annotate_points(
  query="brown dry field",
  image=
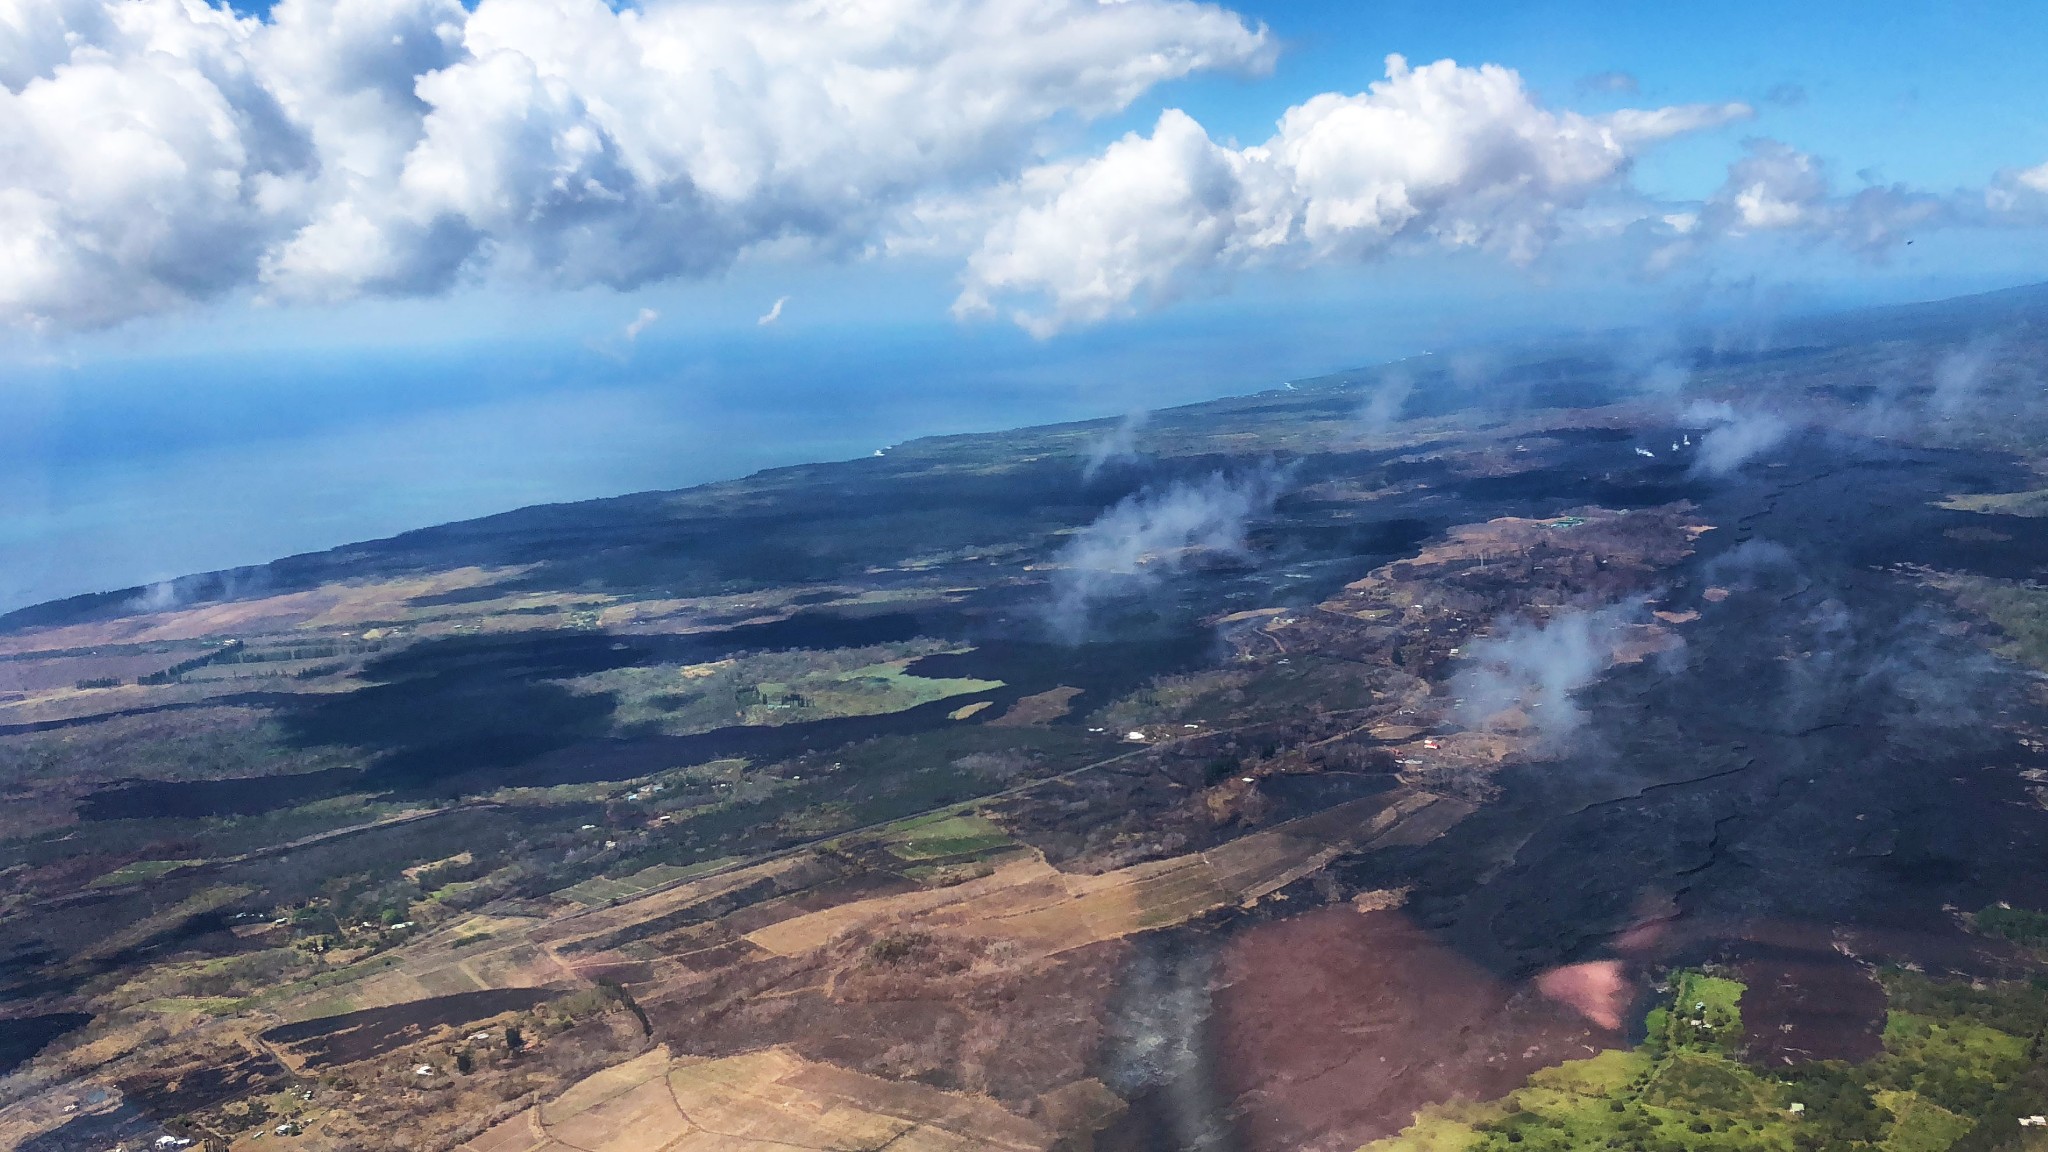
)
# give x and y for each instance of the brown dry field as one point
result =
(1334, 1027)
(774, 1099)
(30, 675)
(518, 952)
(1045, 911)
(330, 606)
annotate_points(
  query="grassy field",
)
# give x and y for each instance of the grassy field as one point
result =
(1045, 911)
(604, 889)
(1947, 1080)
(2033, 503)
(869, 690)
(775, 688)
(2019, 609)
(931, 837)
(140, 871)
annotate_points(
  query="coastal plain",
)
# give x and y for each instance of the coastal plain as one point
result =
(1513, 771)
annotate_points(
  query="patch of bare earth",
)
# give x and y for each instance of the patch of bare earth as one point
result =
(1332, 1028)
(953, 1012)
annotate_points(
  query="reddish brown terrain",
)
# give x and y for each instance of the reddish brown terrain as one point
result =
(1334, 1026)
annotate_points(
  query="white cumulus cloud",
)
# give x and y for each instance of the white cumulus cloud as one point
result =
(1775, 187)
(1459, 156)
(155, 152)
(2019, 197)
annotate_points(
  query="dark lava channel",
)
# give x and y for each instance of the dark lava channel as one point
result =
(1829, 760)
(1827, 751)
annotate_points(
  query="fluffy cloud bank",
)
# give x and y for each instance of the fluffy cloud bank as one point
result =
(158, 152)
(1458, 156)
(154, 152)
(1774, 188)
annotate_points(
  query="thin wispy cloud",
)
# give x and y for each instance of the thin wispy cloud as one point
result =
(1617, 82)
(641, 323)
(1382, 407)
(774, 312)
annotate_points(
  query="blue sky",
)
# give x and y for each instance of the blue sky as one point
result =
(190, 383)
(1931, 94)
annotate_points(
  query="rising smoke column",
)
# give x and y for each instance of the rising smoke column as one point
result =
(1734, 436)
(1115, 446)
(1149, 536)
(1533, 667)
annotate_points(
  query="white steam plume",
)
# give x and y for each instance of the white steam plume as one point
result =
(1152, 535)
(1734, 436)
(1382, 409)
(1525, 675)
(1117, 445)
(1958, 379)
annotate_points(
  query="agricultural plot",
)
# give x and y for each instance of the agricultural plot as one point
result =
(932, 838)
(608, 890)
(490, 955)
(764, 1101)
(1946, 1079)
(775, 688)
(502, 952)
(371, 1032)
(1048, 911)
(140, 871)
